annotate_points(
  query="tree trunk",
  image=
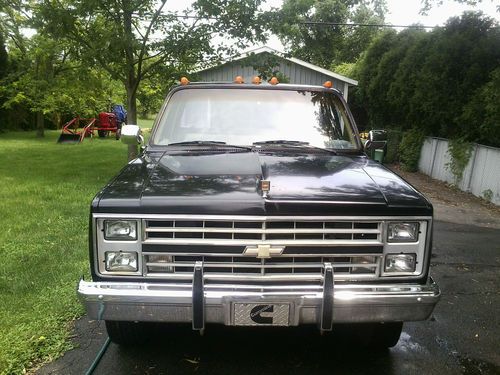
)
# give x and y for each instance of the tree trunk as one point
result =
(132, 79)
(39, 121)
(131, 115)
(40, 124)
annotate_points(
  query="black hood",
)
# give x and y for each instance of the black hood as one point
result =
(228, 183)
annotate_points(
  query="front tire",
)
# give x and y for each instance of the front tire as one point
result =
(102, 133)
(125, 333)
(381, 335)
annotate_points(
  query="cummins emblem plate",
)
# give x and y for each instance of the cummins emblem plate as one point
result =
(261, 314)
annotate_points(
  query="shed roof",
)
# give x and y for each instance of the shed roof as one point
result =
(266, 49)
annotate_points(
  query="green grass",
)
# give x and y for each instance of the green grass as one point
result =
(146, 123)
(45, 191)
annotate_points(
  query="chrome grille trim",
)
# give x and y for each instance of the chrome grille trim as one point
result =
(252, 231)
(250, 268)
(247, 231)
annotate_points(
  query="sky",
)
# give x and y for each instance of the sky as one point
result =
(401, 12)
(406, 12)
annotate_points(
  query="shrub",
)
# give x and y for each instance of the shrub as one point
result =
(409, 149)
(393, 141)
(460, 152)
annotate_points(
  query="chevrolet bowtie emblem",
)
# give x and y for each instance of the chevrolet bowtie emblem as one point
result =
(263, 251)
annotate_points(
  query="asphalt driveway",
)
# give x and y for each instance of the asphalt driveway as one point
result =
(463, 336)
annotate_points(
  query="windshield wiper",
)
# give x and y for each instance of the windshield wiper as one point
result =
(282, 142)
(208, 143)
(294, 144)
(191, 143)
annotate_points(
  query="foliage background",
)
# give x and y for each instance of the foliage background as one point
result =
(443, 82)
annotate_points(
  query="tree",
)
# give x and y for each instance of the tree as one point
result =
(47, 81)
(322, 44)
(460, 59)
(480, 118)
(3, 57)
(428, 4)
(131, 39)
(368, 90)
(441, 82)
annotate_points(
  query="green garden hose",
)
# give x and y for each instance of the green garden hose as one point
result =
(94, 364)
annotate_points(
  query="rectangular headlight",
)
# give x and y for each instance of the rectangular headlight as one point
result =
(121, 261)
(122, 230)
(400, 263)
(402, 232)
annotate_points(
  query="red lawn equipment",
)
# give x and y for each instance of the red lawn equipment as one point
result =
(77, 129)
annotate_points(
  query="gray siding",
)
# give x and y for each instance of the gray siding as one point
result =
(296, 74)
(481, 174)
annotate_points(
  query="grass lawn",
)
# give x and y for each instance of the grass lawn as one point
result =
(45, 191)
(146, 123)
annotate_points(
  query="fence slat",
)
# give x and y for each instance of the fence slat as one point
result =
(481, 176)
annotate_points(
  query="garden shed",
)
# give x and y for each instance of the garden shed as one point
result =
(265, 61)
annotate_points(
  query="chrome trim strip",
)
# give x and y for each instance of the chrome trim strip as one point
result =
(208, 264)
(228, 242)
(258, 218)
(277, 201)
(236, 255)
(258, 231)
(244, 277)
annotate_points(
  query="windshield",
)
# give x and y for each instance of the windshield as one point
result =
(247, 116)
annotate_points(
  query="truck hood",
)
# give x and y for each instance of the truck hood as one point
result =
(229, 183)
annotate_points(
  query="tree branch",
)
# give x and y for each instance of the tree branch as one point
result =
(145, 40)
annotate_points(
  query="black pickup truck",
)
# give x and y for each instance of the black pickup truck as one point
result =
(256, 205)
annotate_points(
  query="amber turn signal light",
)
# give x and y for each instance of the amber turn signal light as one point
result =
(239, 79)
(256, 80)
(328, 84)
(274, 81)
(184, 81)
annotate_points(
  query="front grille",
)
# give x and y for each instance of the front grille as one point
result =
(172, 246)
(254, 231)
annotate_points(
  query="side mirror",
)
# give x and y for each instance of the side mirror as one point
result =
(131, 135)
(377, 136)
(376, 145)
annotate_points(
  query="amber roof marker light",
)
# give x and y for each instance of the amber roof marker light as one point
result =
(184, 81)
(256, 80)
(239, 79)
(274, 81)
(328, 84)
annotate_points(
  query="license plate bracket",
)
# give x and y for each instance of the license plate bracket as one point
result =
(261, 314)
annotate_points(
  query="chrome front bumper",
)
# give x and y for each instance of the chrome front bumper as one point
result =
(213, 303)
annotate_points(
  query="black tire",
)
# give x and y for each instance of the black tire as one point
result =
(380, 335)
(102, 133)
(125, 333)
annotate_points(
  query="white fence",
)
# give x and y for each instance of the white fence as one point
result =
(481, 175)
